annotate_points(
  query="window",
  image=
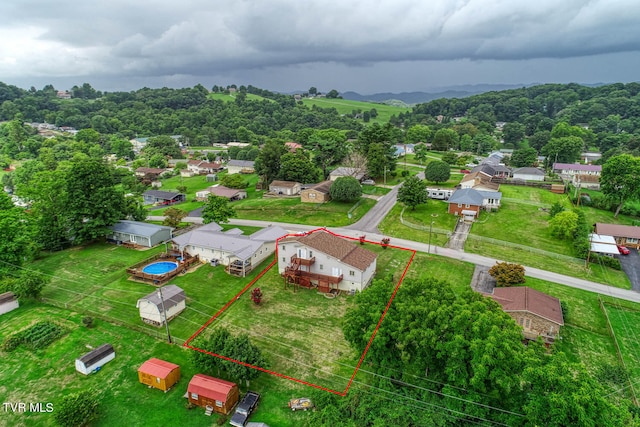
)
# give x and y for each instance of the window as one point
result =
(352, 273)
(321, 267)
(158, 380)
(459, 205)
(284, 259)
(312, 195)
(310, 254)
(467, 205)
(219, 403)
(632, 240)
(526, 325)
(194, 396)
(521, 321)
(284, 248)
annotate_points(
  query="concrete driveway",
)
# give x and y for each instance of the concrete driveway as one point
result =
(631, 266)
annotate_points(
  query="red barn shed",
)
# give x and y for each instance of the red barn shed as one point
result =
(214, 394)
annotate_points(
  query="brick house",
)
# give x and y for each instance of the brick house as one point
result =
(318, 193)
(625, 235)
(539, 314)
(467, 202)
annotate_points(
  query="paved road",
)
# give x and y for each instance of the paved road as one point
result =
(573, 282)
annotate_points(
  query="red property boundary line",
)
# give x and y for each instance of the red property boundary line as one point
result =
(262, 273)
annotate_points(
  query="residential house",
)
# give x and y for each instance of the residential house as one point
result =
(327, 261)
(95, 359)
(568, 170)
(159, 374)
(63, 94)
(588, 181)
(356, 173)
(317, 193)
(240, 166)
(589, 157)
(625, 235)
(285, 188)
(239, 253)
(138, 144)
(467, 202)
(528, 174)
(214, 394)
(493, 170)
(8, 302)
(151, 197)
(167, 301)
(139, 233)
(203, 167)
(292, 146)
(539, 314)
(149, 173)
(478, 180)
(232, 194)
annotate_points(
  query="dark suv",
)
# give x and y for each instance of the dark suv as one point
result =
(244, 409)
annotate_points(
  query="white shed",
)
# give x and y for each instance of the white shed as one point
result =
(95, 359)
(150, 306)
(528, 174)
(8, 302)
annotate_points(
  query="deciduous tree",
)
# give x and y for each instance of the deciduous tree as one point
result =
(345, 189)
(217, 209)
(564, 224)
(173, 216)
(413, 192)
(507, 274)
(620, 180)
(437, 171)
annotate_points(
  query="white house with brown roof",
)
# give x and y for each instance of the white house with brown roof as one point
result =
(539, 314)
(203, 167)
(285, 188)
(327, 261)
(625, 235)
(479, 181)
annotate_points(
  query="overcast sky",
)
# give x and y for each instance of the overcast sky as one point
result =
(287, 45)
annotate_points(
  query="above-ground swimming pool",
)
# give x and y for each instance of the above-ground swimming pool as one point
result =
(160, 267)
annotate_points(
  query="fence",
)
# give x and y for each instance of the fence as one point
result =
(503, 243)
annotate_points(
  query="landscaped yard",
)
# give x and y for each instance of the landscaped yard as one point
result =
(418, 222)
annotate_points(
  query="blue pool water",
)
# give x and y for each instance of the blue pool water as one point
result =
(160, 267)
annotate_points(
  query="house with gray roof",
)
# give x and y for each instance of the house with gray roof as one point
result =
(528, 174)
(240, 166)
(239, 253)
(152, 310)
(151, 197)
(356, 173)
(139, 233)
(467, 202)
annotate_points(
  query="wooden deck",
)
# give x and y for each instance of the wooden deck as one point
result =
(160, 279)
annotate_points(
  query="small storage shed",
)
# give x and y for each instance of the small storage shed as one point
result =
(150, 306)
(318, 193)
(209, 392)
(95, 359)
(159, 374)
(8, 302)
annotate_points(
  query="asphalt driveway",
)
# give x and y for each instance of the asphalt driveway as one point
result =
(631, 266)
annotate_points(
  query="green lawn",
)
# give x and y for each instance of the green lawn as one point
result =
(523, 220)
(344, 106)
(418, 222)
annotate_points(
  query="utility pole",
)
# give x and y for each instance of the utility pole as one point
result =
(430, 229)
(164, 315)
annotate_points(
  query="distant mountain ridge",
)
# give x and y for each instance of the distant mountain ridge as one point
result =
(421, 97)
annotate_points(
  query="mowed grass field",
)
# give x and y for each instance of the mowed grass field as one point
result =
(300, 334)
(289, 210)
(523, 219)
(344, 106)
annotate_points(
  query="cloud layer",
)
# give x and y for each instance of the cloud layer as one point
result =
(165, 40)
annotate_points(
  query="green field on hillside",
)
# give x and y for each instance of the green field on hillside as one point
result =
(347, 107)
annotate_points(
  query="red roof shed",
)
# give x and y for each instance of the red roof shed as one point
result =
(215, 393)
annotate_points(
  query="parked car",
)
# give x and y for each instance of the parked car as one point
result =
(368, 182)
(303, 403)
(244, 409)
(623, 250)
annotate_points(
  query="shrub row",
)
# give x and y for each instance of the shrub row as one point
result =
(37, 337)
